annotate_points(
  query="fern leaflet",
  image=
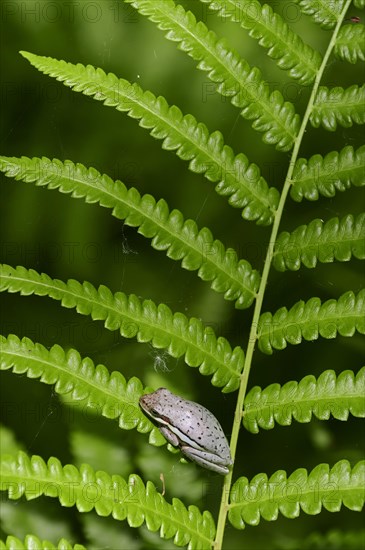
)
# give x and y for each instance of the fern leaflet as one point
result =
(108, 495)
(80, 379)
(143, 319)
(337, 171)
(272, 32)
(329, 395)
(206, 153)
(323, 12)
(323, 242)
(350, 44)
(323, 486)
(312, 319)
(235, 78)
(335, 106)
(182, 239)
(31, 542)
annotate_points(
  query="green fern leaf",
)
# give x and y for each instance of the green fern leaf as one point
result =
(334, 106)
(107, 495)
(136, 318)
(80, 379)
(350, 43)
(323, 242)
(337, 171)
(312, 319)
(235, 78)
(323, 12)
(333, 395)
(206, 153)
(271, 31)
(31, 542)
(322, 487)
(182, 239)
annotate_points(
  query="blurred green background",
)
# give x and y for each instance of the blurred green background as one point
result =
(66, 238)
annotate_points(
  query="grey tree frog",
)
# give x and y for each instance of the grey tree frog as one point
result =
(191, 427)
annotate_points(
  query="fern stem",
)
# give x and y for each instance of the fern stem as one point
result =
(261, 292)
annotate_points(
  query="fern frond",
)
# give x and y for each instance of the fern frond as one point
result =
(80, 380)
(312, 319)
(326, 487)
(108, 495)
(181, 239)
(328, 395)
(333, 106)
(235, 78)
(350, 43)
(133, 317)
(285, 46)
(321, 242)
(31, 542)
(337, 171)
(323, 12)
(206, 153)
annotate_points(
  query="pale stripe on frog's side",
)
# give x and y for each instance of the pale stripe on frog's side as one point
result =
(191, 427)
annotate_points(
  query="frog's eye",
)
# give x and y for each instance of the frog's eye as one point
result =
(155, 412)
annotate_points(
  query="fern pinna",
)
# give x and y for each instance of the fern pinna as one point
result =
(316, 139)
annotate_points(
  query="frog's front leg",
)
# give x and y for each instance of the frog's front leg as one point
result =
(169, 435)
(207, 460)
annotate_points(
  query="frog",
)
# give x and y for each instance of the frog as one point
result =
(190, 427)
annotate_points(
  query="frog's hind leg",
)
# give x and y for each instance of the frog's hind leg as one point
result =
(207, 460)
